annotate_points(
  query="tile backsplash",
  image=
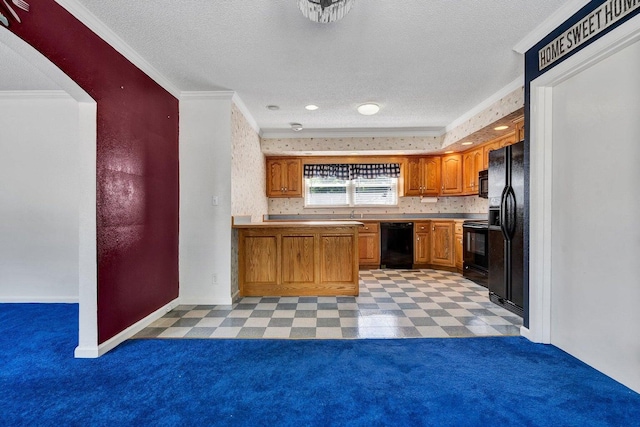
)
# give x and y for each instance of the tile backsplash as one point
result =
(406, 205)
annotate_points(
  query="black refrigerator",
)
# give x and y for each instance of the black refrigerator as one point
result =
(506, 220)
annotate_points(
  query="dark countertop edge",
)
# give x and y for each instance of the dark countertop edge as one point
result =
(376, 217)
(301, 224)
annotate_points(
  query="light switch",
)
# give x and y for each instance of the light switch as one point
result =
(214, 201)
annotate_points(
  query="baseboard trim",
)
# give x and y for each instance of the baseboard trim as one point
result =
(207, 301)
(39, 300)
(97, 351)
(524, 332)
(236, 296)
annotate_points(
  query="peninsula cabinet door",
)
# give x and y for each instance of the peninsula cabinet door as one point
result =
(298, 264)
(337, 259)
(260, 260)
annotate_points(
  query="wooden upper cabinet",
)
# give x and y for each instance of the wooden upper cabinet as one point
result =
(472, 162)
(413, 176)
(284, 178)
(519, 124)
(442, 243)
(503, 141)
(422, 176)
(452, 174)
(432, 171)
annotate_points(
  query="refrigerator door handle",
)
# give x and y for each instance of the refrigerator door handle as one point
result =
(503, 213)
(510, 211)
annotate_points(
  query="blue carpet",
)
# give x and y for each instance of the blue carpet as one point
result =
(410, 382)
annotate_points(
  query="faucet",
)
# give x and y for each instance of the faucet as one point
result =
(353, 214)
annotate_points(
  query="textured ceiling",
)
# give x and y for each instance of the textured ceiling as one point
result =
(426, 62)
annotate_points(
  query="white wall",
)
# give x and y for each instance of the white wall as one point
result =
(595, 236)
(205, 172)
(39, 198)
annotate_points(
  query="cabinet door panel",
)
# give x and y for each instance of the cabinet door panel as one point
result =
(458, 250)
(293, 181)
(467, 173)
(297, 259)
(452, 174)
(442, 252)
(275, 173)
(261, 263)
(422, 248)
(413, 176)
(432, 172)
(336, 255)
(369, 248)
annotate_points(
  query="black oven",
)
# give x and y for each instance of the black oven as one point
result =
(476, 251)
(483, 184)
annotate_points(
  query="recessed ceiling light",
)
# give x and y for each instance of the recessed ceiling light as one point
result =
(368, 109)
(296, 127)
(272, 107)
(501, 128)
(449, 152)
(467, 143)
(311, 107)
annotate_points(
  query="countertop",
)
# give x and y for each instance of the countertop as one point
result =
(407, 217)
(298, 224)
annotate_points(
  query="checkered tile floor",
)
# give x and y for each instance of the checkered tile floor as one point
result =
(392, 304)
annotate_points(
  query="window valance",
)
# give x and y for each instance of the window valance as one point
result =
(375, 170)
(337, 171)
(353, 171)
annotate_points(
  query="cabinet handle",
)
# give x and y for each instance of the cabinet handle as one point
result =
(282, 189)
(285, 189)
(433, 229)
(417, 239)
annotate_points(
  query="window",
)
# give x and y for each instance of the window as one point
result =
(351, 185)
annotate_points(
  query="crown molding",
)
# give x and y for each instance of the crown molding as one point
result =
(565, 12)
(105, 33)
(213, 94)
(246, 113)
(354, 133)
(514, 85)
(35, 94)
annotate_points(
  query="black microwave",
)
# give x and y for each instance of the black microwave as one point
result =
(483, 184)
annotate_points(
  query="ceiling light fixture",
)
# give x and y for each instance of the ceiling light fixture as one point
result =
(325, 11)
(296, 127)
(501, 128)
(368, 109)
(272, 107)
(311, 107)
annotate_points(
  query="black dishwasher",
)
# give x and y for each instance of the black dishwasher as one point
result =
(396, 245)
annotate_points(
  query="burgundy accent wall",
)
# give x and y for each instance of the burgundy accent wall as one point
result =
(137, 166)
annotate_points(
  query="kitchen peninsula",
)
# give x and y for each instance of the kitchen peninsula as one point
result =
(298, 258)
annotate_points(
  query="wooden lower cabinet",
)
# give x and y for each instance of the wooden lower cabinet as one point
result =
(298, 261)
(422, 243)
(442, 241)
(369, 245)
(458, 246)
